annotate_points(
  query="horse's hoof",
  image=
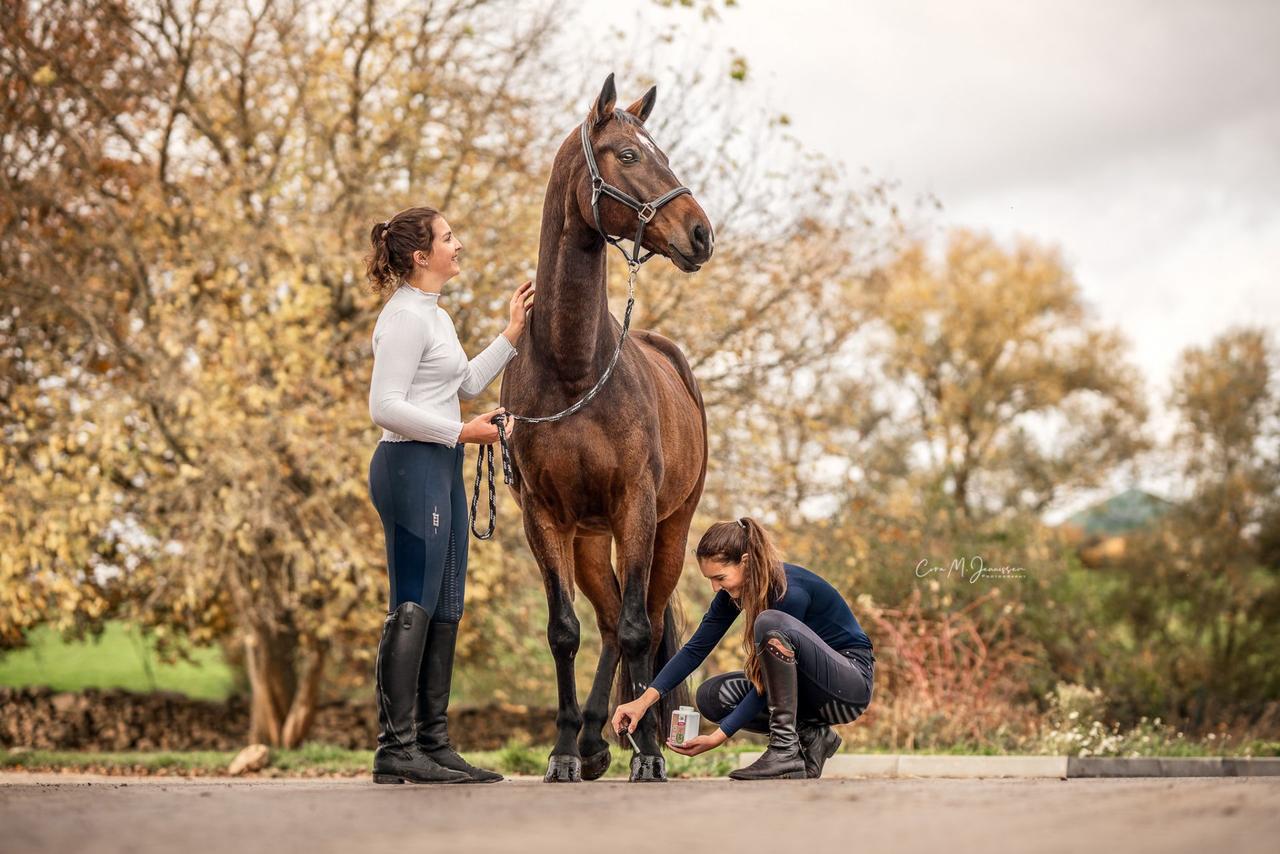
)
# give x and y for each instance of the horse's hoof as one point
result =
(594, 766)
(564, 769)
(648, 769)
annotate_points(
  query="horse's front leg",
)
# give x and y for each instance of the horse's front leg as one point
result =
(553, 549)
(593, 572)
(634, 524)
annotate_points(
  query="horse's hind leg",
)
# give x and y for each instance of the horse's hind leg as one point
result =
(594, 572)
(553, 549)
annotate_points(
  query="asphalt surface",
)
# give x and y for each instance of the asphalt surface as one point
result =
(113, 814)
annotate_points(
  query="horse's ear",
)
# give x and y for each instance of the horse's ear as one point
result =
(642, 108)
(602, 109)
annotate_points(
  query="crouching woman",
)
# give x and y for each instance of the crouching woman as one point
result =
(809, 665)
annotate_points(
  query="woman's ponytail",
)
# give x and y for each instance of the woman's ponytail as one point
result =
(763, 579)
(378, 263)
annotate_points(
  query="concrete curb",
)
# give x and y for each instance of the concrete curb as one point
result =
(850, 765)
(1168, 766)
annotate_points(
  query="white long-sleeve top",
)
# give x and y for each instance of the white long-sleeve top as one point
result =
(420, 370)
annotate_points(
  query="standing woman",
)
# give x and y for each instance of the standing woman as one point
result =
(809, 664)
(415, 481)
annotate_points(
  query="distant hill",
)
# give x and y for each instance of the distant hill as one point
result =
(1120, 514)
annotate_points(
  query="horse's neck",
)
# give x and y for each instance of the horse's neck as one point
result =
(570, 326)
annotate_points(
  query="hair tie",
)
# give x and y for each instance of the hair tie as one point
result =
(742, 523)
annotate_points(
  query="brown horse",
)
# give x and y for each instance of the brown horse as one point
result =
(628, 469)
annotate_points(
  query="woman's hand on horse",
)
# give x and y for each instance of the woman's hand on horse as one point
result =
(699, 744)
(521, 301)
(482, 431)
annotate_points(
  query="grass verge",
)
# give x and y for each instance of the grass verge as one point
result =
(320, 760)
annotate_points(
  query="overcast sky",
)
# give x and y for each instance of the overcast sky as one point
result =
(1141, 137)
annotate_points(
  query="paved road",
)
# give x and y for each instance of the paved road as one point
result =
(106, 814)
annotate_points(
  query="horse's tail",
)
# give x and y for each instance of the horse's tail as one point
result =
(670, 645)
(667, 648)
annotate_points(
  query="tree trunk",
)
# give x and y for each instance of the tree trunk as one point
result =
(268, 661)
(302, 711)
(284, 680)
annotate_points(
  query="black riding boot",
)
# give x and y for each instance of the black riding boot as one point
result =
(783, 759)
(434, 684)
(818, 743)
(398, 758)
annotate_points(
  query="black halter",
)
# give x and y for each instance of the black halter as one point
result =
(645, 211)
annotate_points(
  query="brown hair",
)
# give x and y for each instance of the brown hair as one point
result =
(394, 243)
(763, 580)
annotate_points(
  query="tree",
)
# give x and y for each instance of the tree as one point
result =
(1200, 594)
(1013, 394)
(189, 439)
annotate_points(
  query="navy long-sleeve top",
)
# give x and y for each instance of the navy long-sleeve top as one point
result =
(809, 598)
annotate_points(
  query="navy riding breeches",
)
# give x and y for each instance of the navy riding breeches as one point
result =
(418, 491)
(834, 686)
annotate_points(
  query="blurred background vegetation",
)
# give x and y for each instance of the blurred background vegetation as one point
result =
(188, 190)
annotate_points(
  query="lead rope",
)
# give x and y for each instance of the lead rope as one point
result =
(486, 455)
(486, 451)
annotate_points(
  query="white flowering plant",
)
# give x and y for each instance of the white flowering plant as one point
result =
(1075, 725)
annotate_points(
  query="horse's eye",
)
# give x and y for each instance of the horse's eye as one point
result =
(628, 156)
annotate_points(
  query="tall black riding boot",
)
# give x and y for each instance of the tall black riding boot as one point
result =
(783, 759)
(398, 758)
(818, 743)
(434, 683)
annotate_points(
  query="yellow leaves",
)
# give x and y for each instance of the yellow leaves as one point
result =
(256, 397)
(44, 76)
(992, 345)
(244, 540)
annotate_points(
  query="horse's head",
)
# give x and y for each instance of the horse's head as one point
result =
(629, 159)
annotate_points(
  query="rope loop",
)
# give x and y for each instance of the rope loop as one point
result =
(486, 456)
